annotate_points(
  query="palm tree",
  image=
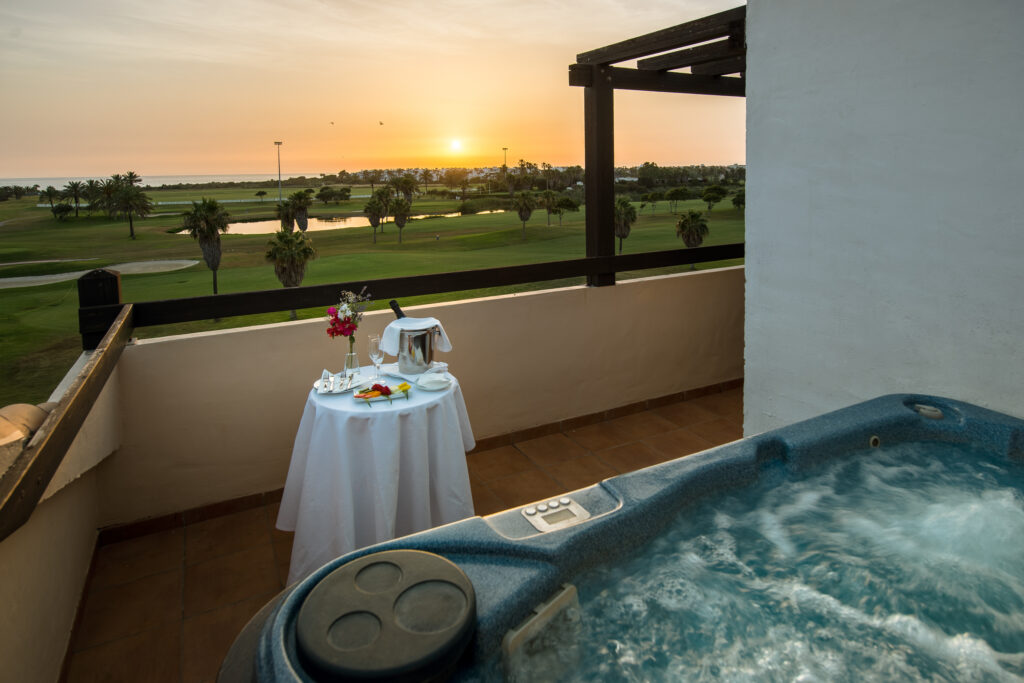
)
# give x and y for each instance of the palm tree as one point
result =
(300, 202)
(374, 211)
(131, 178)
(385, 197)
(692, 228)
(524, 203)
(400, 209)
(261, 194)
(74, 190)
(427, 176)
(131, 202)
(286, 215)
(205, 222)
(93, 194)
(51, 194)
(548, 200)
(108, 195)
(406, 186)
(290, 252)
(625, 216)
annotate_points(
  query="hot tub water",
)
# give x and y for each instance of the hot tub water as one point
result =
(903, 562)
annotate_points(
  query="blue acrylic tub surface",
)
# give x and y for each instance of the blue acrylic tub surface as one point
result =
(513, 567)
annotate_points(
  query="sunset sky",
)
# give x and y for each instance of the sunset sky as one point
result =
(94, 87)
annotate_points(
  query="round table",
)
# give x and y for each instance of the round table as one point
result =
(365, 473)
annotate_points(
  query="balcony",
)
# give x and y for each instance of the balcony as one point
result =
(182, 457)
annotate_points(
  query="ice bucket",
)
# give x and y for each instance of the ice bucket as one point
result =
(416, 350)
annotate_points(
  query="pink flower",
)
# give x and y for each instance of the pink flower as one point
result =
(332, 311)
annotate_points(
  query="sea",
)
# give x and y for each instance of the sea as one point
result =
(158, 180)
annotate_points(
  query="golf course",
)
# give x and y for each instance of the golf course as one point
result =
(39, 324)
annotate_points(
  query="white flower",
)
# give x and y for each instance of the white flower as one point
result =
(344, 311)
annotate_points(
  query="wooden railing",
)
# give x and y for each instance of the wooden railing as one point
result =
(94, 320)
(106, 325)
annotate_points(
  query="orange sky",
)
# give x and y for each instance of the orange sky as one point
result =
(94, 87)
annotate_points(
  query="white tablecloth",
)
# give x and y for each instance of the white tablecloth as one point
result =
(361, 474)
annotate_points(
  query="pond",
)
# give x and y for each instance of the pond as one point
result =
(316, 224)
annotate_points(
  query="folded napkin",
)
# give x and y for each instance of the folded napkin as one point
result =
(325, 383)
(389, 340)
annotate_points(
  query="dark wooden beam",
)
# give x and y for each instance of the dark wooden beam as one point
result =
(732, 65)
(692, 32)
(599, 162)
(681, 59)
(619, 78)
(24, 482)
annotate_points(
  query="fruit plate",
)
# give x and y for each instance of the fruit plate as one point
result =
(396, 392)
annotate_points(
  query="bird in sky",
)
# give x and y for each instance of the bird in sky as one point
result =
(332, 123)
(382, 123)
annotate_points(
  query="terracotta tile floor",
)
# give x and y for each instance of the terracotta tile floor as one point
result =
(166, 607)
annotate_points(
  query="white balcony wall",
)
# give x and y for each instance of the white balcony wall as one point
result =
(43, 568)
(884, 240)
(212, 416)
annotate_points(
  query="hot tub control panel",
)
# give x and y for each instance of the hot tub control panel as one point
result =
(556, 513)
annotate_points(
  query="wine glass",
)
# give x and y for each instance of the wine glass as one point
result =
(376, 355)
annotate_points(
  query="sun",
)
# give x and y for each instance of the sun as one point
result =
(456, 145)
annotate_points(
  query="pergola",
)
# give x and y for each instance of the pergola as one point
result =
(711, 48)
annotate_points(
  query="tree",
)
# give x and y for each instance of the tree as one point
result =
(675, 196)
(400, 209)
(51, 194)
(712, 195)
(286, 214)
(93, 193)
(548, 201)
(342, 194)
(406, 186)
(692, 228)
(290, 252)
(385, 198)
(131, 178)
(625, 216)
(61, 211)
(74, 190)
(326, 194)
(131, 202)
(427, 176)
(261, 194)
(739, 201)
(565, 203)
(374, 211)
(653, 198)
(205, 222)
(524, 203)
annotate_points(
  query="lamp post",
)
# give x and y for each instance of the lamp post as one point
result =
(278, 144)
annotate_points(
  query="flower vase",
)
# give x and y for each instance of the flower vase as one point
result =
(351, 359)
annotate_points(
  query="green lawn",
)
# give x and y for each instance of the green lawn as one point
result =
(38, 325)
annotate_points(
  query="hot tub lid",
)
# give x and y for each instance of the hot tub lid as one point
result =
(399, 615)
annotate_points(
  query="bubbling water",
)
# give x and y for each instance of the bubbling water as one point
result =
(900, 563)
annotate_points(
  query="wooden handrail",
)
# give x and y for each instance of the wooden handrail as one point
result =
(24, 482)
(148, 313)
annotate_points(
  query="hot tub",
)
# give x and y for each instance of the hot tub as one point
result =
(598, 539)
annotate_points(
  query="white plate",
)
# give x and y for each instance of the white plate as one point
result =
(339, 382)
(426, 382)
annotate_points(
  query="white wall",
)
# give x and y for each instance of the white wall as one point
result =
(43, 568)
(885, 240)
(212, 416)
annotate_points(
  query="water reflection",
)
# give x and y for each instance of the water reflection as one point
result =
(316, 224)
